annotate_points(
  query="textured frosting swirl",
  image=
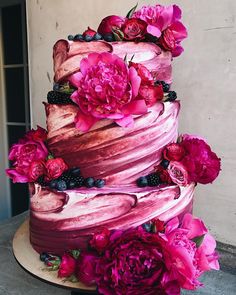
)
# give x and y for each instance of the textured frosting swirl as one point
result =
(119, 155)
(87, 211)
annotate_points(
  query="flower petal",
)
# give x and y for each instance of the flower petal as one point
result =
(155, 31)
(135, 81)
(84, 122)
(126, 122)
(75, 78)
(135, 107)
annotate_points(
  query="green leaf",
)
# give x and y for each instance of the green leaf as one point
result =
(131, 12)
(198, 240)
(75, 253)
(118, 34)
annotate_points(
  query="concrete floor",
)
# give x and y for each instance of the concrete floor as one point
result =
(15, 281)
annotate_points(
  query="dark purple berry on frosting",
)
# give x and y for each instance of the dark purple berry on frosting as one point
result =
(56, 87)
(142, 181)
(75, 171)
(89, 182)
(53, 183)
(41, 181)
(70, 37)
(97, 36)
(88, 38)
(71, 184)
(56, 97)
(79, 181)
(172, 95)
(61, 185)
(108, 37)
(165, 163)
(44, 256)
(153, 179)
(165, 86)
(78, 37)
(147, 227)
(99, 183)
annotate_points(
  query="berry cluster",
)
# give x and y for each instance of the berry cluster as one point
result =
(85, 37)
(73, 179)
(153, 179)
(169, 95)
(58, 97)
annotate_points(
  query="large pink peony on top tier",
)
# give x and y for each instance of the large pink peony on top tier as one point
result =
(107, 88)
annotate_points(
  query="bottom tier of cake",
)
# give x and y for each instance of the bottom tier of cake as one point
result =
(62, 221)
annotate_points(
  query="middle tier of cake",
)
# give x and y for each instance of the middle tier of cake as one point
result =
(118, 155)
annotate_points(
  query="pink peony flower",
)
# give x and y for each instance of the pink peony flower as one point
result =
(55, 168)
(107, 89)
(110, 23)
(36, 169)
(202, 164)
(186, 260)
(86, 268)
(132, 264)
(164, 23)
(100, 240)
(178, 173)
(134, 29)
(173, 152)
(67, 266)
(23, 154)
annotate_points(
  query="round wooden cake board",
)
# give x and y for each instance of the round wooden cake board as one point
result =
(28, 259)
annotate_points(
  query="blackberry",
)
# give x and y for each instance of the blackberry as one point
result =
(71, 184)
(61, 185)
(172, 95)
(79, 181)
(67, 177)
(41, 181)
(99, 183)
(153, 179)
(165, 86)
(142, 181)
(165, 163)
(89, 182)
(56, 97)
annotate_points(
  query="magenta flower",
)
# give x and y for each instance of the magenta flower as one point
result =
(86, 268)
(201, 162)
(67, 266)
(106, 89)
(110, 24)
(164, 23)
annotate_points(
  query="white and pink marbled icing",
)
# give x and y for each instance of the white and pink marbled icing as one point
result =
(57, 224)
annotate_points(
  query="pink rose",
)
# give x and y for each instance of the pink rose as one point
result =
(100, 240)
(134, 29)
(36, 169)
(132, 264)
(39, 134)
(55, 168)
(86, 268)
(106, 89)
(89, 32)
(173, 152)
(22, 155)
(110, 23)
(67, 266)
(178, 173)
(201, 162)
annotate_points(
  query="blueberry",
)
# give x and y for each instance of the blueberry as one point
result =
(172, 95)
(89, 182)
(108, 37)
(70, 37)
(78, 37)
(142, 181)
(165, 163)
(88, 38)
(147, 227)
(71, 184)
(97, 36)
(99, 183)
(165, 86)
(53, 183)
(56, 87)
(61, 185)
(75, 171)
(44, 256)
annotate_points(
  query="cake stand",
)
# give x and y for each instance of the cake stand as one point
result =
(29, 260)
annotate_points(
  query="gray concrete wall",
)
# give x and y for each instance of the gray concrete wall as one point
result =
(204, 78)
